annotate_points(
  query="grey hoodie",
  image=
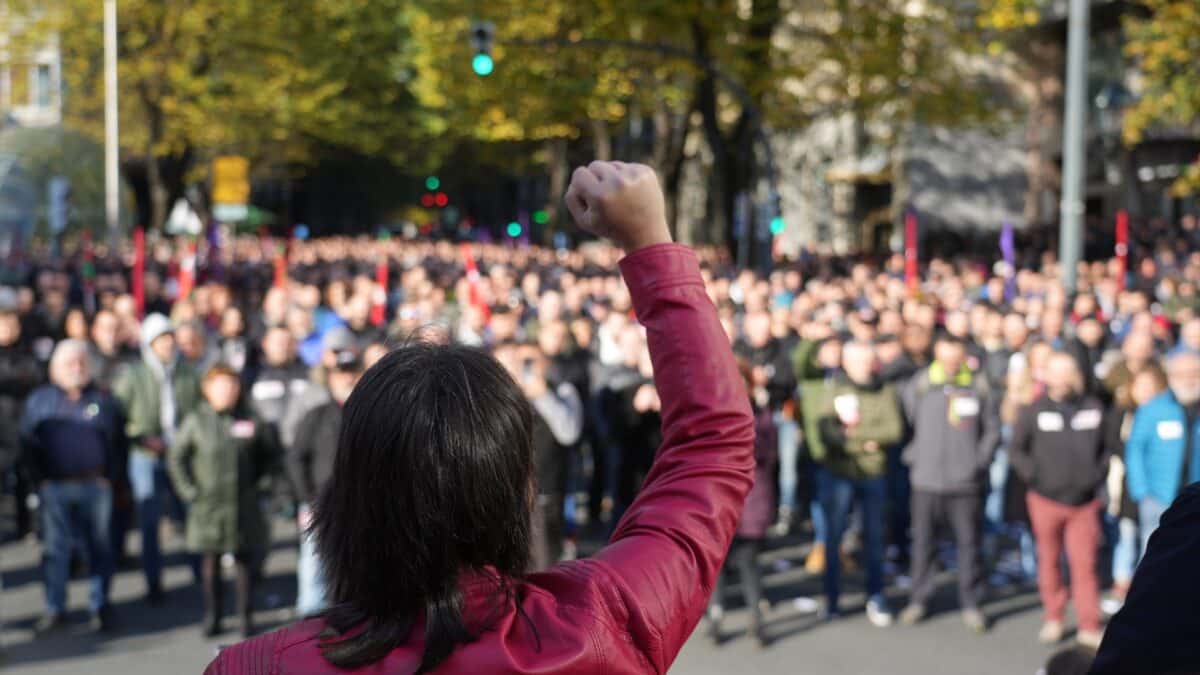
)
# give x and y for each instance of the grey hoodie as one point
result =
(955, 430)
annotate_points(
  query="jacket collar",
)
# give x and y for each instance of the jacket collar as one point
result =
(938, 375)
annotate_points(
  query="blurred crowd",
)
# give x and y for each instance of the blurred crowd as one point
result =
(983, 405)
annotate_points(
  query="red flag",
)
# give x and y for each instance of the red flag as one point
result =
(379, 309)
(139, 270)
(911, 273)
(187, 271)
(281, 262)
(1122, 248)
(473, 280)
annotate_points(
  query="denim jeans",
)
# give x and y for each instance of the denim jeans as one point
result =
(1125, 550)
(310, 594)
(993, 508)
(789, 454)
(836, 495)
(1150, 511)
(76, 511)
(152, 493)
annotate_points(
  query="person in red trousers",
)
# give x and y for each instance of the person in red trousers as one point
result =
(1061, 446)
(424, 526)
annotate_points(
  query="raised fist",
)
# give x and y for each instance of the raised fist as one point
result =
(621, 202)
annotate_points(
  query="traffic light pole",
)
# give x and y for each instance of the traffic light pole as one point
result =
(1074, 138)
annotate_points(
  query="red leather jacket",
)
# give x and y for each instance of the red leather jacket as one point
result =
(629, 608)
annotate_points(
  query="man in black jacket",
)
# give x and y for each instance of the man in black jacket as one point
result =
(1061, 446)
(20, 373)
(310, 464)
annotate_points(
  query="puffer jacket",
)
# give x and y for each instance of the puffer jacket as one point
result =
(1155, 451)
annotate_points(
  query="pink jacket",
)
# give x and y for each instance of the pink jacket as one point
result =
(629, 608)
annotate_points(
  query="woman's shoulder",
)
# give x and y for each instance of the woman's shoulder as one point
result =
(261, 655)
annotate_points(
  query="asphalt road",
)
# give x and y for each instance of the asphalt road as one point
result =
(167, 639)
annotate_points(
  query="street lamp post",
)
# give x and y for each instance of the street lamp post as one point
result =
(1074, 150)
(112, 195)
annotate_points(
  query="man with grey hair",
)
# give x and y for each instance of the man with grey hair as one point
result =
(75, 449)
(1162, 454)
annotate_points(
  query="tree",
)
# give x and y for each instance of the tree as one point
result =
(270, 79)
(1165, 42)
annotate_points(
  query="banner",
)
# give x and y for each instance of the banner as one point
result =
(473, 280)
(379, 308)
(139, 270)
(1122, 247)
(912, 275)
(1008, 250)
(187, 271)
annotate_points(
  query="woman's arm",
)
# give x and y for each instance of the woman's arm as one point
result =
(666, 552)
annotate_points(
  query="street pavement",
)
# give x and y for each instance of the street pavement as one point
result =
(155, 640)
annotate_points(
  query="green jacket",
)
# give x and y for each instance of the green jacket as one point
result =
(843, 449)
(139, 392)
(220, 463)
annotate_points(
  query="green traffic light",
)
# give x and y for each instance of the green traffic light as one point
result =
(432, 183)
(514, 229)
(777, 225)
(482, 64)
(541, 217)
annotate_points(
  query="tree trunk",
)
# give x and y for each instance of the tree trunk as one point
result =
(601, 140)
(559, 168)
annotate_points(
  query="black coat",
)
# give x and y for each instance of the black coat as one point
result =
(310, 459)
(20, 374)
(1156, 631)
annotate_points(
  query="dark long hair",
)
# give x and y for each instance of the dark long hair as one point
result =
(433, 477)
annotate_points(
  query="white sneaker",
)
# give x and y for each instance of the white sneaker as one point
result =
(879, 614)
(805, 605)
(1111, 606)
(1051, 633)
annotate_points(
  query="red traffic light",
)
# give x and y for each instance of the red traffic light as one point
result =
(427, 200)
(441, 199)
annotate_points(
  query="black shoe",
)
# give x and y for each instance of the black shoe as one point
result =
(247, 628)
(757, 632)
(50, 623)
(212, 625)
(155, 597)
(102, 621)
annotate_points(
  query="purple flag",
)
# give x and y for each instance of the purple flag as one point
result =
(1008, 249)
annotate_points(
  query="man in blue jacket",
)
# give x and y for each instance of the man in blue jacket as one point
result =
(1163, 453)
(73, 436)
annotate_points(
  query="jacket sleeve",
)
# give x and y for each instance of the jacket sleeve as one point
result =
(179, 460)
(1135, 454)
(804, 364)
(990, 437)
(31, 447)
(298, 460)
(270, 455)
(665, 554)
(1019, 450)
(563, 413)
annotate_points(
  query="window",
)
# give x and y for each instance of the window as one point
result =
(43, 87)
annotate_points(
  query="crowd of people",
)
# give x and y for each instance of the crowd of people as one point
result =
(982, 401)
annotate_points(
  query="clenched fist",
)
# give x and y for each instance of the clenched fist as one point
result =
(621, 202)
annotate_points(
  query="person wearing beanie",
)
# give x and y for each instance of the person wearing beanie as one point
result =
(157, 392)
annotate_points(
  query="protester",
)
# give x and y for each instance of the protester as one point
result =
(20, 374)
(752, 529)
(955, 426)
(219, 461)
(444, 538)
(1163, 455)
(849, 424)
(1061, 447)
(310, 465)
(1147, 384)
(75, 448)
(157, 393)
